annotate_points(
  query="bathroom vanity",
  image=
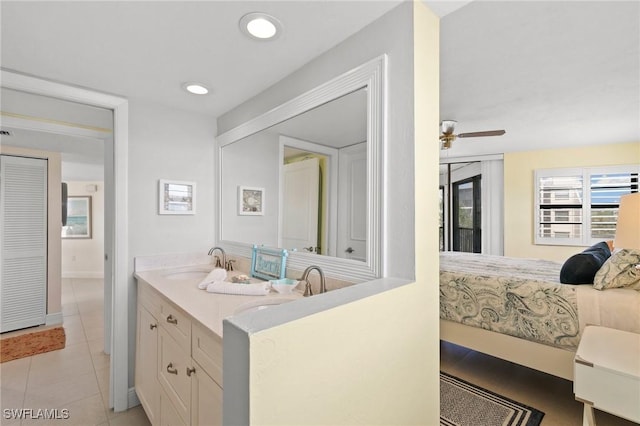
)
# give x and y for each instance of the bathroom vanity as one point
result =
(178, 371)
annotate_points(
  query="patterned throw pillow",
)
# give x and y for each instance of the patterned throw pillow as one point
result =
(622, 269)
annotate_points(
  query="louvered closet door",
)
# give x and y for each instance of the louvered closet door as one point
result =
(23, 230)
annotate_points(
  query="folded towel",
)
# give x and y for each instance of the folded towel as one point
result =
(217, 274)
(226, 287)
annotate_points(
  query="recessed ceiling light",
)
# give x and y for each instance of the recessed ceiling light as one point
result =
(260, 26)
(195, 88)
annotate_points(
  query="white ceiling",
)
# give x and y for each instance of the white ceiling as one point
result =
(147, 50)
(554, 73)
(549, 73)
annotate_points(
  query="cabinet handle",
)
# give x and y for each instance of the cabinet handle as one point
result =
(171, 370)
(190, 371)
(152, 326)
(172, 320)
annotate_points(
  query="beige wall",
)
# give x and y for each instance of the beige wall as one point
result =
(54, 206)
(375, 360)
(84, 257)
(519, 191)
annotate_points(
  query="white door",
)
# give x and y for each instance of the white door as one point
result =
(23, 232)
(301, 193)
(352, 203)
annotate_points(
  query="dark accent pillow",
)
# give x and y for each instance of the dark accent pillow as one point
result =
(582, 267)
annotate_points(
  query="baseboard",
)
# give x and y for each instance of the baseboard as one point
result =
(83, 274)
(54, 318)
(132, 397)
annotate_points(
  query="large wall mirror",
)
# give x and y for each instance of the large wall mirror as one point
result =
(307, 176)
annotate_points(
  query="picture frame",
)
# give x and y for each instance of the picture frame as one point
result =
(176, 197)
(79, 220)
(250, 201)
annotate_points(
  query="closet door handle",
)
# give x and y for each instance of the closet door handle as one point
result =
(172, 320)
(171, 370)
(152, 326)
(190, 371)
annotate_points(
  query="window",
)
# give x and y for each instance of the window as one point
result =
(580, 206)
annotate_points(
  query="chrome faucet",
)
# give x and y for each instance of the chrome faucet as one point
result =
(219, 263)
(305, 278)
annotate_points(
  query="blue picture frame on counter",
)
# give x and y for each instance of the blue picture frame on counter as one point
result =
(268, 263)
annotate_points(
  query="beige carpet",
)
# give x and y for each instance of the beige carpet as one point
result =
(32, 343)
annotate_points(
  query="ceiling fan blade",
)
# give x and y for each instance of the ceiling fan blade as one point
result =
(479, 134)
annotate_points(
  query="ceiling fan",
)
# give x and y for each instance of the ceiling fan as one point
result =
(448, 127)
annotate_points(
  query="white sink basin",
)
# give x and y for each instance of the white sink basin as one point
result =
(192, 274)
(259, 305)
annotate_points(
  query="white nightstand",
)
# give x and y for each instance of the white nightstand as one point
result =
(607, 373)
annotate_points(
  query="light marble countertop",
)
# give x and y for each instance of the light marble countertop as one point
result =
(210, 309)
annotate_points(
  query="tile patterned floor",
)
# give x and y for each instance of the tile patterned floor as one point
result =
(550, 394)
(75, 378)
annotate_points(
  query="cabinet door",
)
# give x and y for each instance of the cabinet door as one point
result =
(168, 414)
(206, 399)
(146, 375)
(173, 373)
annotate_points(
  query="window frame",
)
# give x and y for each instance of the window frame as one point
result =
(585, 173)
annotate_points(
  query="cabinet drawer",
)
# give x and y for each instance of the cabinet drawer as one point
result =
(173, 373)
(177, 323)
(149, 298)
(206, 349)
(608, 391)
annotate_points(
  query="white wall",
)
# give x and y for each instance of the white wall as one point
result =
(252, 162)
(373, 359)
(166, 143)
(84, 257)
(390, 35)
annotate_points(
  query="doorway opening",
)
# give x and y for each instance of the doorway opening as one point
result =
(116, 258)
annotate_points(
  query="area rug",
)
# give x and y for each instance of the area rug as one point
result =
(464, 404)
(28, 344)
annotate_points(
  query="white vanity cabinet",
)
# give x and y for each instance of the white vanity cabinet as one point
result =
(177, 361)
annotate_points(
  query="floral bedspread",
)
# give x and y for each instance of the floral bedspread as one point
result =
(519, 297)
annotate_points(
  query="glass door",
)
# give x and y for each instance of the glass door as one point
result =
(467, 219)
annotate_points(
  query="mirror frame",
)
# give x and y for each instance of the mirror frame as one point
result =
(372, 76)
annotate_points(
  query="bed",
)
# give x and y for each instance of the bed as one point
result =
(517, 309)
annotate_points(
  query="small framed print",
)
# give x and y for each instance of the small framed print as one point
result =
(78, 218)
(250, 201)
(176, 197)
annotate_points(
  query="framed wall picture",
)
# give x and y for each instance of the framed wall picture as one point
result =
(78, 217)
(176, 197)
(250, 201)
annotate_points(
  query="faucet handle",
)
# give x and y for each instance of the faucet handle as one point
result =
(307, 288)
(218, 262)
(229, 265)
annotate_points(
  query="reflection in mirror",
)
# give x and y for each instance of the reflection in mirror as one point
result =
(341, 124)
(313, 168)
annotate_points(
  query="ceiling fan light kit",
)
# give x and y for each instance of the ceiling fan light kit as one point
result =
(448, 135)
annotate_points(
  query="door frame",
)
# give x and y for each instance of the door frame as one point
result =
(119, 368)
